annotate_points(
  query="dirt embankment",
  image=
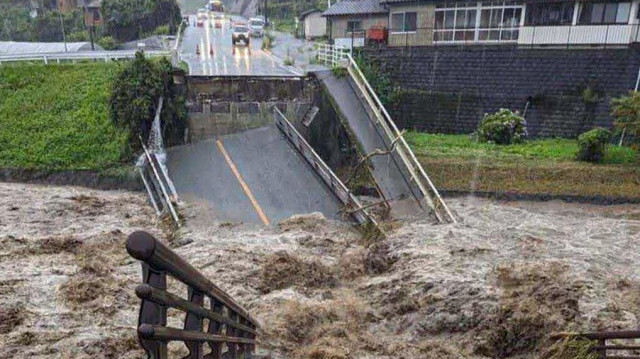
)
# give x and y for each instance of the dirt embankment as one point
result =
(492, 286)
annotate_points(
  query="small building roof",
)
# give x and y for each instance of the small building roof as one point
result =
(90, 3)
(308, 12)
(355, 7)
(14, 48)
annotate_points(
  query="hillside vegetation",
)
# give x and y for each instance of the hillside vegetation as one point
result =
(57, 117)
(127, 20)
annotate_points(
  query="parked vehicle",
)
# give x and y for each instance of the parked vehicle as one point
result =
(242, 33)
(256, 26)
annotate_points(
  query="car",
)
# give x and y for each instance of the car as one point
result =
(218, 24)
(200, 23)
(241, 32)
(256, 25)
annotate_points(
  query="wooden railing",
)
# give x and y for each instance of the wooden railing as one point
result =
(231, 331)
(607, 350)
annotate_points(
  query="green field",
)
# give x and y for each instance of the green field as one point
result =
(57, 117)
(536, 167)
(540, 150)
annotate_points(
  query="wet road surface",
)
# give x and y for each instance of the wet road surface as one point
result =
(218, 57)
(252, 177)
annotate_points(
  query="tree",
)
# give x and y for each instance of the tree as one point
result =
(626, 113)
(136, 92)
(127, 20)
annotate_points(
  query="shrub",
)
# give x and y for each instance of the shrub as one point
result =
(593, 145)
(267, 42)
(107, 43)
(339, 71)
(503, 127)
(626, 112)
(162, 30)
(136, 92)
(78, 36)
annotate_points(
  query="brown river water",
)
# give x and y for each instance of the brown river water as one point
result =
(493, 285)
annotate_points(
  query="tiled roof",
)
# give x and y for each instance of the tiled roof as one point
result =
(354, 7)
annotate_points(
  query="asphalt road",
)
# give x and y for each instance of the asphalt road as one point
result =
(218, 57)
(252, 177)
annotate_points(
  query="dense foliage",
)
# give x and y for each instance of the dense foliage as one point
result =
(135, 96)
(626, 113)
(593, 145)
(57, 117)
(16, 23)
(127, 20)
(378, 79)
(503, 127)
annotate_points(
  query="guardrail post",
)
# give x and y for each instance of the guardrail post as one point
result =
(232, 332)
(215, 328)
(150, 312)
(194, 323)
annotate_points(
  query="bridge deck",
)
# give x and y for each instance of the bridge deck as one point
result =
(279, 181)
(393, 183)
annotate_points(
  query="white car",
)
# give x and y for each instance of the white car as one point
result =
(256, 26)
(241, 32)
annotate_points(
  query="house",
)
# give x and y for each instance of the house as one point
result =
(349, 20)
(91, 10)
(313, 24)
(528, 22)
(521, 22)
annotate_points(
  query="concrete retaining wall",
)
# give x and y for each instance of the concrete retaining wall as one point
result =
(451, 88)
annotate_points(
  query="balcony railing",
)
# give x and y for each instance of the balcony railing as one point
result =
(561, 35)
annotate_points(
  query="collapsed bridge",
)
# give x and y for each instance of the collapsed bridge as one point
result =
(261, 149)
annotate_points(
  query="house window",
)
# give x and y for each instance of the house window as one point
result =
(555, 13)
(96, 15)
(404, 22)
(480, 21)
(593, 13)
(354, 25)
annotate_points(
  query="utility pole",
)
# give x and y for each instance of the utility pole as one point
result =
(90, 27)
(266, 20)
(64, 37)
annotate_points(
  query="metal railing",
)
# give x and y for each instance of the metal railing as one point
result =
(352, 204)
(230, 326)
(396, 143)
(333, 55)
(522, 36)
(160, 189)
(609, 351)
(80, 56)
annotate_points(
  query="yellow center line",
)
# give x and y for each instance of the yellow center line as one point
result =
(243, 184)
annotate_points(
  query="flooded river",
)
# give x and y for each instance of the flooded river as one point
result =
(493, 285)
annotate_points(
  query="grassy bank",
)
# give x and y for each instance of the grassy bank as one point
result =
(537, 167)
(57, 117)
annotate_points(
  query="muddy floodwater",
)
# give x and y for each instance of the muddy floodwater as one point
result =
(492, 286)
